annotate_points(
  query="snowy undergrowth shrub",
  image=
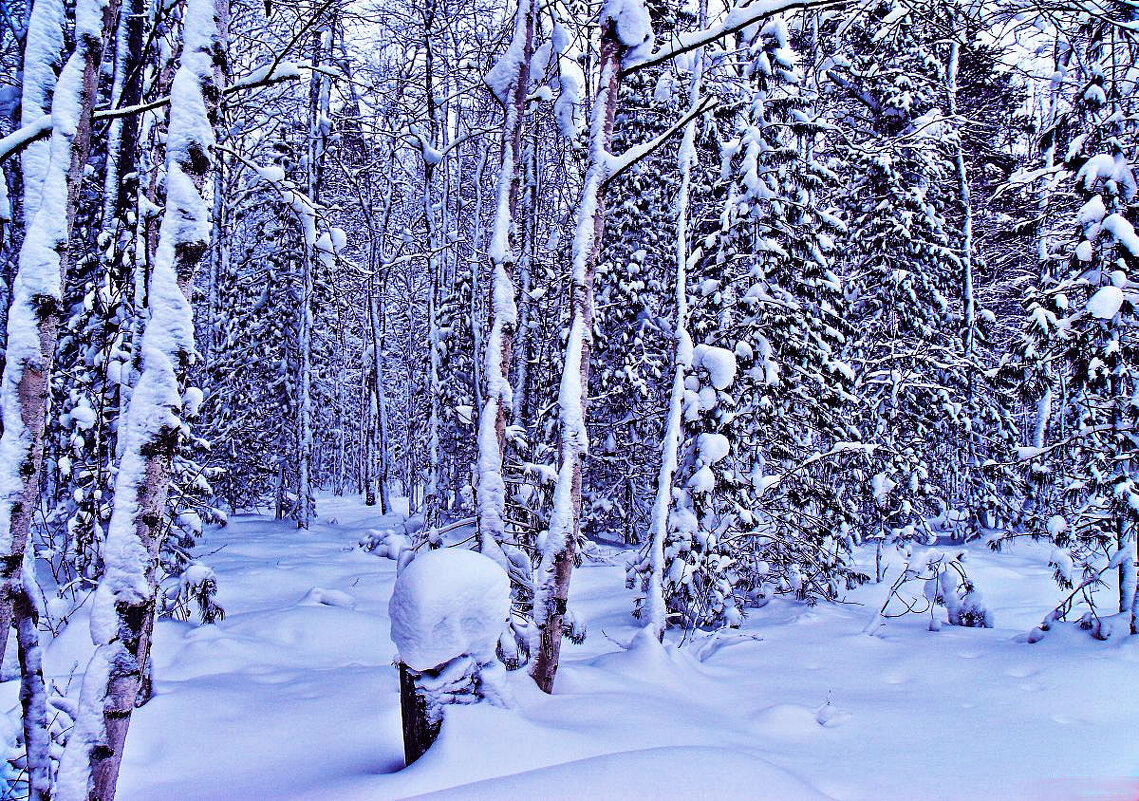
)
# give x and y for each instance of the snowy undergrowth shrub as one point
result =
(61, 712)
(387, 543)
(930, 580)
(196, 587)
(12, 761)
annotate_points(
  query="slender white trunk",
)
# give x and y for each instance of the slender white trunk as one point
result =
(970, 304)
(318, 115)
(219, 264)
(115, 129)
(476, 278)
(381, 409)
(1046, 187)
(509, 81)
(304, 435)
(429, 143)
(654, 610)
(341, 421)
(556, 566)
(431, 493)
(1043, 412)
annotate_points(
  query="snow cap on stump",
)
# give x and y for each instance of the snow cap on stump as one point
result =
(446, 604)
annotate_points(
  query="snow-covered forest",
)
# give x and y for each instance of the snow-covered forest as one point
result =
(633, 398)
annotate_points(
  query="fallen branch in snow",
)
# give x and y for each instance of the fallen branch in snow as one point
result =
(1064, 608)
(466, 521)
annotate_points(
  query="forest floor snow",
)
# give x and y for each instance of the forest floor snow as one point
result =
(294, 695)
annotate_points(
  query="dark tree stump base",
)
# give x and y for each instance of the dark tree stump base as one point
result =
(419, 732)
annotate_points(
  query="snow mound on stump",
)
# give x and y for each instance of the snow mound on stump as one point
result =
(448, 603)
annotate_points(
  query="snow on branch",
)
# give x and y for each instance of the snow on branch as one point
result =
(19, 139)
(619, 164)
(740, 16)
(839, 449)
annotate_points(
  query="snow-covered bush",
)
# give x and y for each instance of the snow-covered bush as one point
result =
(933, 579)
(386, 543)
(197, 586)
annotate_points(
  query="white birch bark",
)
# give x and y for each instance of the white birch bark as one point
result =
(44, 41)
(122, 614)
(509, 81)
(556, 566)
(654, 608)
(55, 175)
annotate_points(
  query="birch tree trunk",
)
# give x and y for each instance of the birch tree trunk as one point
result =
(509, 81)
(655, 610)
(370, 391)
(122, 617)
(44, 37)
(968, 301)
(969, 304)
(318, 114)
(475, 322)
(431, 501)
(556, 567)
(55, 174)
(383, 483)
(523, 340)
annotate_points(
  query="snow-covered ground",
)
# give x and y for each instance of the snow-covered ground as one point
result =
(294, 696)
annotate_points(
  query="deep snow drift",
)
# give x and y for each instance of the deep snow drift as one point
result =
(293, 695)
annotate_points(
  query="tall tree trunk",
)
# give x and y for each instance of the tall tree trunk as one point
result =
(317, 135)
(370, 391)
(524, 337)
(383, 480)
(968, 300)
(969, 304)
(476, 328)
(123, 611)
(509, 81)
(553, 579)
(32, 329)
(429, 143)
(655, 610)
(41, 56)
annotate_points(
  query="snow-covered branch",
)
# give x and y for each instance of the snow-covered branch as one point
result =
(740, 16)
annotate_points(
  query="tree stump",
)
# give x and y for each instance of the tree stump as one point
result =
(448, 609)
(419, 731)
